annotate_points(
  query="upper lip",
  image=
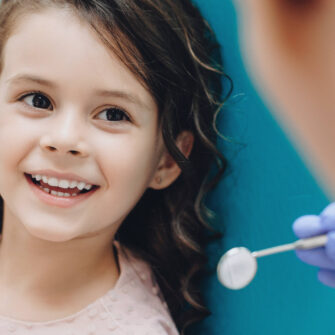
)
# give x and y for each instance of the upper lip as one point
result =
(58, 175)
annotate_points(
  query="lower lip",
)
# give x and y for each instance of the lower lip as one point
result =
(54, 200)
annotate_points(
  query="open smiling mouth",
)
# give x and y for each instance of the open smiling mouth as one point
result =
(59, 191)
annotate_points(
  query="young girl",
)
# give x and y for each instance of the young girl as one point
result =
(107, 135)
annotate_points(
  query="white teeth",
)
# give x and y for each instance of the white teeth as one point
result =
(52, 181)
(81, 185)
(62, 183)
(73, 184)
(60, 194)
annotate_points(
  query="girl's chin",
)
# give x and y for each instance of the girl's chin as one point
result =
(57, 234)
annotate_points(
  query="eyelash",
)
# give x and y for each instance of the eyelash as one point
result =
(125, 115)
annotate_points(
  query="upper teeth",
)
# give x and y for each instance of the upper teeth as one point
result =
(63, 183)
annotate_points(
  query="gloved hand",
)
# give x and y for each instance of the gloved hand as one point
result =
(324, 257)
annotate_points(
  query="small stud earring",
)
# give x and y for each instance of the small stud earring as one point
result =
(158, 179)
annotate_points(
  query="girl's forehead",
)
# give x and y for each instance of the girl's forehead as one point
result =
(56, 44)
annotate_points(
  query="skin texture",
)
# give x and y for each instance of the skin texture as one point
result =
(288, 47)
(70, 248)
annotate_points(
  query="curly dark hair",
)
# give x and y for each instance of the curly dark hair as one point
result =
(173, 52)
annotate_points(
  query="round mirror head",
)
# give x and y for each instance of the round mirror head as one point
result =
(236, 268)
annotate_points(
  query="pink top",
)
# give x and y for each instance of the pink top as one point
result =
(134, 306)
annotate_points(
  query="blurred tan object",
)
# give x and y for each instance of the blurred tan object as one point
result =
(289, 50)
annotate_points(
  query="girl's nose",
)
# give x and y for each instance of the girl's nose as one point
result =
(66, 135)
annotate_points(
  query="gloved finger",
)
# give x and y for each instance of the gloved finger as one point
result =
(316, 257)
(327, 217)
(330, 246)
(307, 226)
(327, 277)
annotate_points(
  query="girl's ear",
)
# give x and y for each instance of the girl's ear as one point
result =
(168, 170)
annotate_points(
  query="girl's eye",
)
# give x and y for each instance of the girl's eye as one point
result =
(37, 100)
(115, 114)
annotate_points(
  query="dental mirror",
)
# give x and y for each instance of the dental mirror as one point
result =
(238, 266)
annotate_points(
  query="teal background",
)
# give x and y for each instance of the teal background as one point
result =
(266, 187)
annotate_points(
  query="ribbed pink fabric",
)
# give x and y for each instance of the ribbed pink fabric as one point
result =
(134, 306)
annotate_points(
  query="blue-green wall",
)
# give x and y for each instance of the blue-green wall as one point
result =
(267, 187)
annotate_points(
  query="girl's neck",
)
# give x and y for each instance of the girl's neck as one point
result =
(49, 275)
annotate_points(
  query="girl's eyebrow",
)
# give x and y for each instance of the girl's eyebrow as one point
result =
(102, 93)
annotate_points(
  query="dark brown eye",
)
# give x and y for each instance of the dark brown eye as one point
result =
(37, 100)
(115, 114)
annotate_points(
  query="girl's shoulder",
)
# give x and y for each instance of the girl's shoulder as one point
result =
(140, 301)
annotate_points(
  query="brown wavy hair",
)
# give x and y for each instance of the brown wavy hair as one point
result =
(172, 51)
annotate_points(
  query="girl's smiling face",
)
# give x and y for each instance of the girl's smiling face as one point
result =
(91, 117)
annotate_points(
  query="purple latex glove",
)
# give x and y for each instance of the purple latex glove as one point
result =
(324, 257)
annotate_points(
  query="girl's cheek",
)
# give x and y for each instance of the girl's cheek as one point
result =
(15, 135)
(131, 157)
